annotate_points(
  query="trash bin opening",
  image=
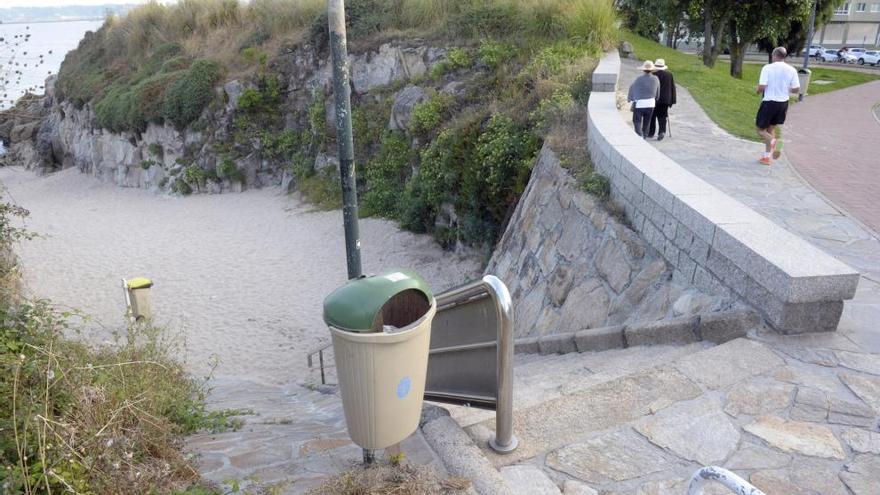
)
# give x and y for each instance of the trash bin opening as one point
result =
(402, 309)
(139, 283)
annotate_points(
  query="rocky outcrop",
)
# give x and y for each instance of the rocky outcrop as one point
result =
(570, 265)
(48, 135)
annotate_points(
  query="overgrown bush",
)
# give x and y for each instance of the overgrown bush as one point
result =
(187, 97)
(91, 420)
(426, 116)
(384, 176)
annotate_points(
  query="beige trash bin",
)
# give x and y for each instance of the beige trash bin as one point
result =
(381, 331)
(138, 298)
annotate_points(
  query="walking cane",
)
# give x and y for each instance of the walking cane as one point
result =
(669, 125)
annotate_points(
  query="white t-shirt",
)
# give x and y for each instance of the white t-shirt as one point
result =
(779, 77)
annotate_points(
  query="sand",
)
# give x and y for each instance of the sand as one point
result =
(241, 276)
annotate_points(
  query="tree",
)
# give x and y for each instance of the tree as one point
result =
(754, 19)
(793, 36)
(716, 15)
(649, 18)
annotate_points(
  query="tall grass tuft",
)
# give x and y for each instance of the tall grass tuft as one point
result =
(91, 420)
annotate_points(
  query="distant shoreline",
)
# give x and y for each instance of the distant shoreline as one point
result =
(4, 23)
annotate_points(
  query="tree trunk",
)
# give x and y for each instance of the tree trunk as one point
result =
(737, 55)
(708, 60)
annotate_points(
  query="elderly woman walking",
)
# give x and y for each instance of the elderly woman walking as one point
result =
(643, 93)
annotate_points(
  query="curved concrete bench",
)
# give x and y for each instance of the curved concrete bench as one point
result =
(712, 240)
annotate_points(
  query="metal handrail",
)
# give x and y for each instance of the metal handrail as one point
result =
(504, 440)
(716, 474)
(320, 352)
(491, 286)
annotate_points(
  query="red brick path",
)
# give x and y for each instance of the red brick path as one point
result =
(833, 140)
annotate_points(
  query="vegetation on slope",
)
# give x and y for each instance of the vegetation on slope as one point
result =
(522, 69)
(90, 420)
(731, 103)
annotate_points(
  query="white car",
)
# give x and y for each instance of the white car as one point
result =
(856, 51)
(816, 50)
(828, 55)
(870, 57)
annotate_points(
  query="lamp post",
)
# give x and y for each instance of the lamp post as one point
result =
(809, 43)
(347, 172)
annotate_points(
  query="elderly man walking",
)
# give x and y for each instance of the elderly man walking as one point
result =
(664, 101)
(777, 82)
(643, 93)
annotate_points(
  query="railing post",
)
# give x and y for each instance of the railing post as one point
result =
(504, 441)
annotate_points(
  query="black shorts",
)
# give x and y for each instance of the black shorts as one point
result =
(771, 113)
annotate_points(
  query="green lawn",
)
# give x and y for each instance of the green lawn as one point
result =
(731, 103)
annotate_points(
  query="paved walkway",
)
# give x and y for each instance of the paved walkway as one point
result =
(779, 193)
(833, 140)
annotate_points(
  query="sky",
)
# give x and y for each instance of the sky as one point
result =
(55, 3)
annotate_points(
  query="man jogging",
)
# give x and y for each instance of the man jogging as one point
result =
(778, 80)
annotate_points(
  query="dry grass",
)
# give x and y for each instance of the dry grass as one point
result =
(391, 479)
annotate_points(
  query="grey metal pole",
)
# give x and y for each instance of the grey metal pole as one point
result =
(809, 42)
(347, 172)
(810, 34)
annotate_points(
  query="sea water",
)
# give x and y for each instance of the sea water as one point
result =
(36, 56)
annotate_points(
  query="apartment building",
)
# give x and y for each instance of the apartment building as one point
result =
(853, 24)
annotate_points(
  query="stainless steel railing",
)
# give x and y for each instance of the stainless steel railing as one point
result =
(715, 474)
(491, 287)
(484, 331)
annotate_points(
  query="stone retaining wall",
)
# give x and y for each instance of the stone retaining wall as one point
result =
(712, 240)
(570, 265)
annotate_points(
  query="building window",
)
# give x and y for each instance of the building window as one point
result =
(861, 7)
(875, 7)
(842, 10)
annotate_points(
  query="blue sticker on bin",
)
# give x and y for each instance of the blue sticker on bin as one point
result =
(403, 387)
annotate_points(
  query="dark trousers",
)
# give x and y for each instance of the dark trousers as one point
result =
(642, 120)
(661, 113)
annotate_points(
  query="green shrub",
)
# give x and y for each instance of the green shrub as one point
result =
(181, 187)
(595, 183)
(255, 55)
(226, 169)
(195, 176)
(250, 100)
(459, 58)
(369, 120)
(428, 115)
(385, 177)
(187, 97)
(279, 145)
(495, 53)
(146, 164)
(156, 150)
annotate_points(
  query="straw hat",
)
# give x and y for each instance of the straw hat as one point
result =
(648, 66)
(660, 64)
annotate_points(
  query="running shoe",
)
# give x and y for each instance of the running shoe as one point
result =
(765, 160)
(777, 148)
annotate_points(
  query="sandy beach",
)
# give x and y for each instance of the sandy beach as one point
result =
(242, 276)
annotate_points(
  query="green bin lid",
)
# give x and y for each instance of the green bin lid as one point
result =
(139, 283)
(354, 306)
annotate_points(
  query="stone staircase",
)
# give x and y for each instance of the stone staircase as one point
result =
(790, 414)
(784, 414)
(292, 439)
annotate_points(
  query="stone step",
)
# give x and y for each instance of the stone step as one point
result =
(629, 390)
(543, 377)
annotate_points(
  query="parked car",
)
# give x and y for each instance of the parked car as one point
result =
(856, 51)
(870, 57)
(828, 55)
(847, 58)
(815, 50)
